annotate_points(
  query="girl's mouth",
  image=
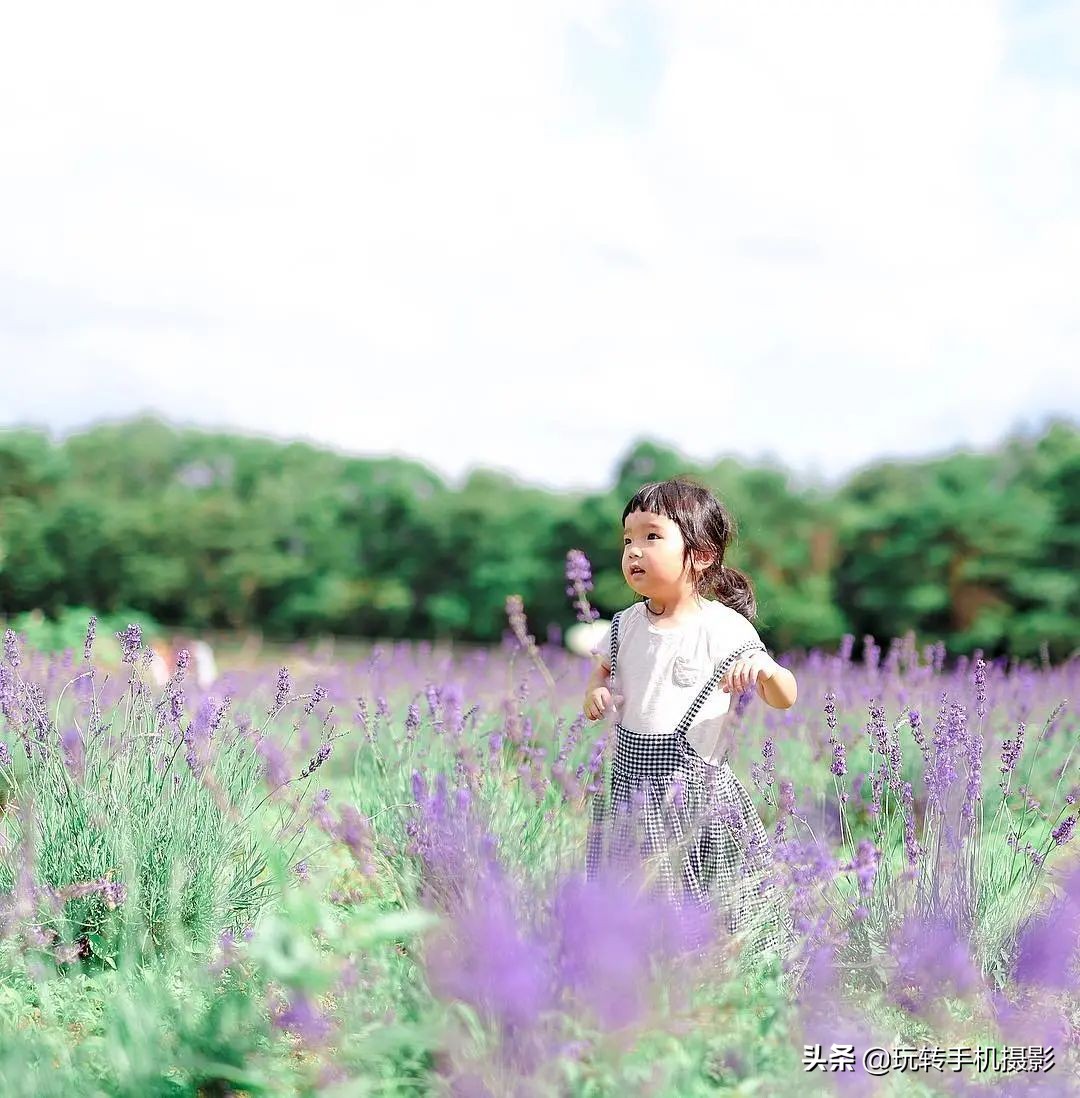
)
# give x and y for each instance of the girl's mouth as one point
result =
(637, 571)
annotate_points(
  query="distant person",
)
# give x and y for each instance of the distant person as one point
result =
(678, 657)
(202, 664)
(583, 636)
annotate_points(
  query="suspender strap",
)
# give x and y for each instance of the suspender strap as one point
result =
(614, 642)
(719, 672)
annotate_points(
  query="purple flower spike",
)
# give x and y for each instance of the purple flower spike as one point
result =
(130, 642)
(316, 760)
(579, 573)
(317, 694)
(275, 762)
(980, 686)
(304, 1019)
(74, 754)
(1047, 943)
(11, 648)
(933, 960)
(1064, 830)
(487, 961)
(282, 688)
(839, 763)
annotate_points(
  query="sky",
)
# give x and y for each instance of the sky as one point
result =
(524, 236)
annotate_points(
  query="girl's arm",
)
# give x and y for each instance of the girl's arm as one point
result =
(777, 687)
(775, 684)
(599, 674)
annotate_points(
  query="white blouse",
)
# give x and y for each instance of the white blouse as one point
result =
(662, 670)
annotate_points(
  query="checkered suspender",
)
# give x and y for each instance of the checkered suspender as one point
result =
(614, 646)
(714, 681)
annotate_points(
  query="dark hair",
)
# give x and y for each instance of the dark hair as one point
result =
(706, 527)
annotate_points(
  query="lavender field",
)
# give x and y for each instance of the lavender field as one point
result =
(366, 876)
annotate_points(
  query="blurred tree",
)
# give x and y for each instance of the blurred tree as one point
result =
(208, 530)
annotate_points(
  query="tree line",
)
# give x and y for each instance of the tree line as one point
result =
(214, 531)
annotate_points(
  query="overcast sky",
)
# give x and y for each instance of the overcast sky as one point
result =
(523, 235)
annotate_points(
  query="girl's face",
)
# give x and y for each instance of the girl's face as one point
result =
(654, 544)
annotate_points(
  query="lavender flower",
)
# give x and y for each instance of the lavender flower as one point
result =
(949, 735)
(915, 721)
(1064, 830)
(768, 753)
(515, 611)
(36, 710)
(865, 865)
(200, 732)
(911, 846)
(892, 658)
(74, 753)
(787, 796)
(980, 685)
(431, 693)
(939, 657)
(932, 960)
(830, 712)
(316, 760)
(1010, 755)
(282, 689)
(491, 963)
(8, 694)
(130, 642)
(320, 800)
(91, 630)
(879, 742)
(173, 689)
(579, 573)
(1047, 941)
(275, 762)
(5, 755)
(317, 694)
(839, 763)
(227, 953)
(412, 722)
(11, 648)
(973, 751)
(353, 830)
(304, 1019)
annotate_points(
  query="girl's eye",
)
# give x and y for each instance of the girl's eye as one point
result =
(652, 534)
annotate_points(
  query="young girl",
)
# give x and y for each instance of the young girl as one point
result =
(679, 657)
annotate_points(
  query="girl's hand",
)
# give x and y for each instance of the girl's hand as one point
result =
(752, 669)
(596, 702)
(600, 701)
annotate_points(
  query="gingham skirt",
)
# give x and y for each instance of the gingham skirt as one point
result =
(689, 826)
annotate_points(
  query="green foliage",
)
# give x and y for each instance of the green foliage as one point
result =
(193, 853)
(68, 630)
(215, 531)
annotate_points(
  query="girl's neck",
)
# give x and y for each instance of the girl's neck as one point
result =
(675, 608)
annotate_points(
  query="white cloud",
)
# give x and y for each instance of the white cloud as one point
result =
(844, 229)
